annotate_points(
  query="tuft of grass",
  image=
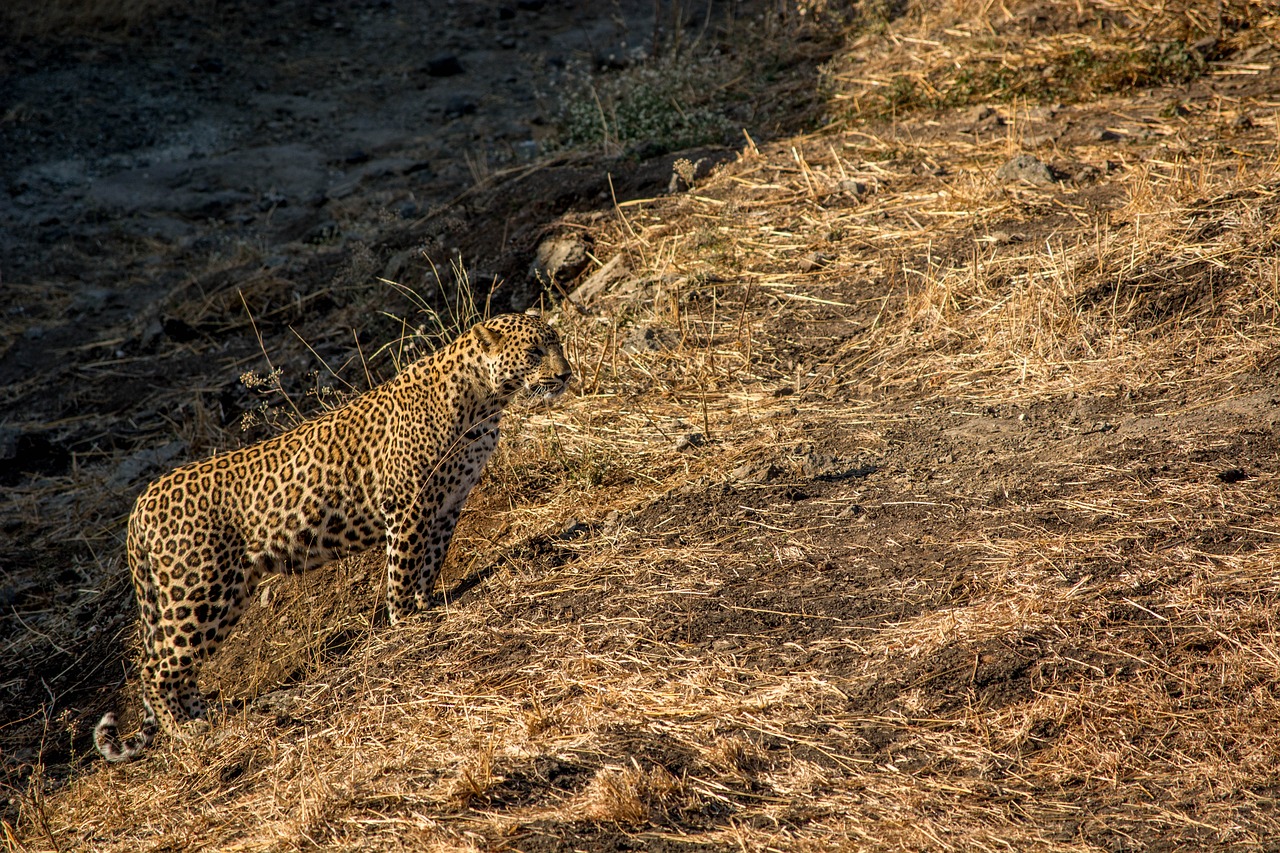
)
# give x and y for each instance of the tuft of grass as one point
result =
(1079, 73)
(1066, 75)
(648, 108)
(628, 795)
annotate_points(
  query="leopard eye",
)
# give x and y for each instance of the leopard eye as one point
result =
(535, 352)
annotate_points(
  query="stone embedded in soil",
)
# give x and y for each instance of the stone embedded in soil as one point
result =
(559, 258)
(824, 466)
(852, 188)
(690, 441)
(983, 118)
(444, 66)
(649, 339)
(143, 462)
(754, 472)
(1086, 174)
(816, 261)
(573, 529)
(459, 106)
(1024, 167)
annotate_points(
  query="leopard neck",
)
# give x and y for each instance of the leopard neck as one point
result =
(465, 388)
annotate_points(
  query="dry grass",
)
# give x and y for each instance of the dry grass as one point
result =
(1040, 615)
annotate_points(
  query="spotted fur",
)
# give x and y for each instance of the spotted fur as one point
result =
(395, 465)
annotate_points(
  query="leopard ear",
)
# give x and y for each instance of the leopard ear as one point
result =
(487, 338)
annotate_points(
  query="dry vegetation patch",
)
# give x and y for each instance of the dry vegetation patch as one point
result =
(900, 505)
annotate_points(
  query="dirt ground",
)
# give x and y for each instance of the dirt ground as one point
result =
(917, 489)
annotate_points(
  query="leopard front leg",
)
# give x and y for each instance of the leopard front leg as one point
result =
(418, 536)
(416, 549)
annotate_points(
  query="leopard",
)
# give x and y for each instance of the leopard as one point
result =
(394, 466)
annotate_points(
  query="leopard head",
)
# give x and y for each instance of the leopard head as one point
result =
(523, 354)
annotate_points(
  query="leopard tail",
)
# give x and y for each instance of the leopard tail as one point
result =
(106, 737)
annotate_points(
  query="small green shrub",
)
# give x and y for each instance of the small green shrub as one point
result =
(654, 108)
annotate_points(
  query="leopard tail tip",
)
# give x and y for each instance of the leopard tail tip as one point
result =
(106, 737)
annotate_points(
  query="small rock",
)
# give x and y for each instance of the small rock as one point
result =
(527, 150)
(1233, 475)
(151, 333)
(648, 339)
(1087, 174)
(983, 118)
(143, 462)
(852, 188)
(1040, 140)
(1108, 135)
(690, 441)
(458, 106)
(826, 467)
(272, 200)
(443, 66)
(752, 472)
(559, 258)
(816, 261)
(1024, 167)
(573, 529)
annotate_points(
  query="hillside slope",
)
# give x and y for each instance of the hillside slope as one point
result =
(918, 489)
